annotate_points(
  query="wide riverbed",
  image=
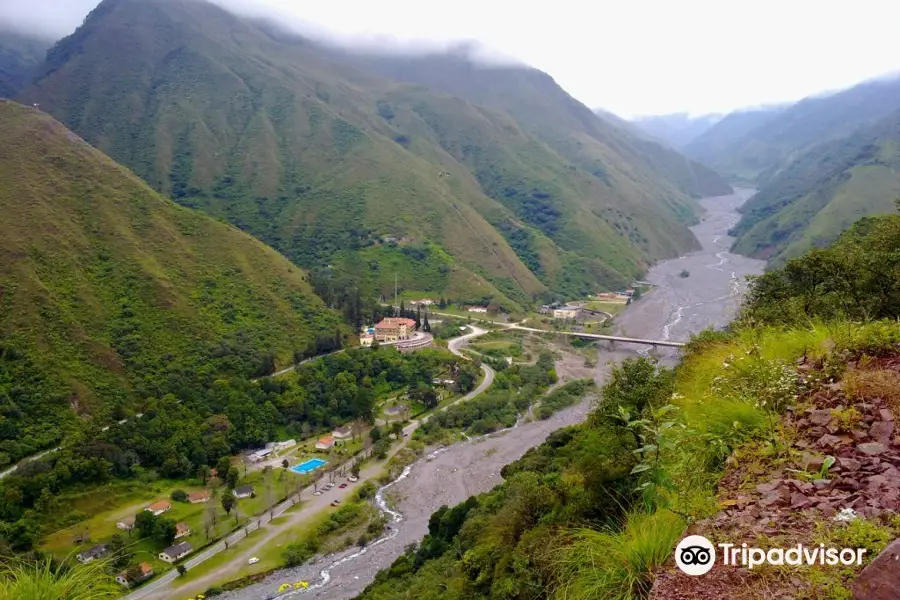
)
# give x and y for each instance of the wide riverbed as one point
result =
(677, 307)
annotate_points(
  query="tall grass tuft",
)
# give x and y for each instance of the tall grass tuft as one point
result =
(618, 564)
(47, 580)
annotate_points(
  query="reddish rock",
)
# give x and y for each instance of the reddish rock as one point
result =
(820, 417)
(886, 414)
(880, 580)
(850, 464)
(882, 431)
(828, 441)
(800, 501)
(872, 448)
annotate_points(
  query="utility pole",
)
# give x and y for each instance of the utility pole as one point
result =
(395, 292)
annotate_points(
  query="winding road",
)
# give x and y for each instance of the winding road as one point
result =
(160, 587)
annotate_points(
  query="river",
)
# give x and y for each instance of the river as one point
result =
(676, 307)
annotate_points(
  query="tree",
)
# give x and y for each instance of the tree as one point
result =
(426, 326)
(232, 478)
(203, 474)
(165, 530)
(397, 429)
(209, 521)
(285, 464)
(375, 434)
(223, 467)
(354, 470)
(118, 551)
(145, 523)
(181, 569)
(228, 503)
(179, 496)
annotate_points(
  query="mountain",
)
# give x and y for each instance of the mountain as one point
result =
(20, 54)
(769, 147)
(111, 294)
(338, 166)
(677, 130)
(730, 132)
(821, 193)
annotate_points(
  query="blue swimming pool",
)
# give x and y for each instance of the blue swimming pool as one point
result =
(309, 466)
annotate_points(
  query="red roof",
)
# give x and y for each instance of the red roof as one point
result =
(392, 322)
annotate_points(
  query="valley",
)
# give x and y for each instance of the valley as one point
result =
(676, 308)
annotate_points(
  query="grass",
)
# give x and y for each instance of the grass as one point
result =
(46, 581)
(618, 564)
(612, 308)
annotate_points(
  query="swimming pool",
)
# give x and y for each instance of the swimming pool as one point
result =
(308, 466)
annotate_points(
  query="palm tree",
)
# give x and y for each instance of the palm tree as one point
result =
(48, 580)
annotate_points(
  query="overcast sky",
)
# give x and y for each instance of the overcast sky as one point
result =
(632, 57)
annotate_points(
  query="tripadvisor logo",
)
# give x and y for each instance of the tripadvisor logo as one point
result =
(696, 555)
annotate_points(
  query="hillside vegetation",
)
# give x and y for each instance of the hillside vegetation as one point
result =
(727, 436)
(332, 164)
(822, 192)
(111, 295)
(20, 54)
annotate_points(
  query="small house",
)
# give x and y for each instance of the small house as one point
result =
(199, 497)
(245, 491)
(476, 309)
(158, 508)
(279, 446)
(143, 572)
(126, 524)
(176, 552)
(181, 530)
(260, 455)
(366, 339)
(92, 554)
(325, 443)
(342, 434)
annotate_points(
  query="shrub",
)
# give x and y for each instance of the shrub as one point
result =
(179, 496)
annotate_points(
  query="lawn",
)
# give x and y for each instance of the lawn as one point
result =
(612, 308)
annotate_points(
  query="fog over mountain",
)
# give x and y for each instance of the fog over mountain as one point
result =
(687, 58)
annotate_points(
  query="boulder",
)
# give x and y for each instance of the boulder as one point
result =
(872, 448)
(880, 580)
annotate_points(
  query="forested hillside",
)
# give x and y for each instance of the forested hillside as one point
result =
(113, 296)
(821, 193)
(767, 148)
(20, 54)
(331, 165)
(729, 436)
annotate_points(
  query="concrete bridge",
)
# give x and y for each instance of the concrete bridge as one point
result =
(597, 336)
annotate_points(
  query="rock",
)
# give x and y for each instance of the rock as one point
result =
(826, 509)
(882, 431)
(872, 448)
(812, 463)
(765, 488)
(820, 417)
(800, 501)
(828, 441)
(886, 414)
(850, 464)
(880, 580)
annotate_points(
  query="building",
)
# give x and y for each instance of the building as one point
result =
(565, 313)
(126, 524)
(476, 309)
(198, 497)
(181, 530)
(259, 455)
(366, 339)
(176, 552)
(245, 491)
(325, 443)
(342, 434)
(158, 508)
(424, 302)
(143, 572)
(92, 554)
(394, 329)
(546, 309)
(279, 446)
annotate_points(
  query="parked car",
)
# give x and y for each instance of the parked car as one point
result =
(253, 561)
(317, 493)
(343, 485)
(352, 479)
(335, 502)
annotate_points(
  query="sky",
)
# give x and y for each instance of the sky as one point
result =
(632, 57)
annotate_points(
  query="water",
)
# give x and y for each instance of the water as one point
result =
(308, 466)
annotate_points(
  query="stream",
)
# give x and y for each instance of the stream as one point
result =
(708, 297)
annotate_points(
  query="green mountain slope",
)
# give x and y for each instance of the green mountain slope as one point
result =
(20, 54)
(570, 128)
(772, 145)
(822, 193)
(111, 295)
(335, 166)
(713, 146)
(677, 130)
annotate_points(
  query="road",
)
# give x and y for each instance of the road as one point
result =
(159, 587)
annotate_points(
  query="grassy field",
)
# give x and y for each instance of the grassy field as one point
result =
(611, 307)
